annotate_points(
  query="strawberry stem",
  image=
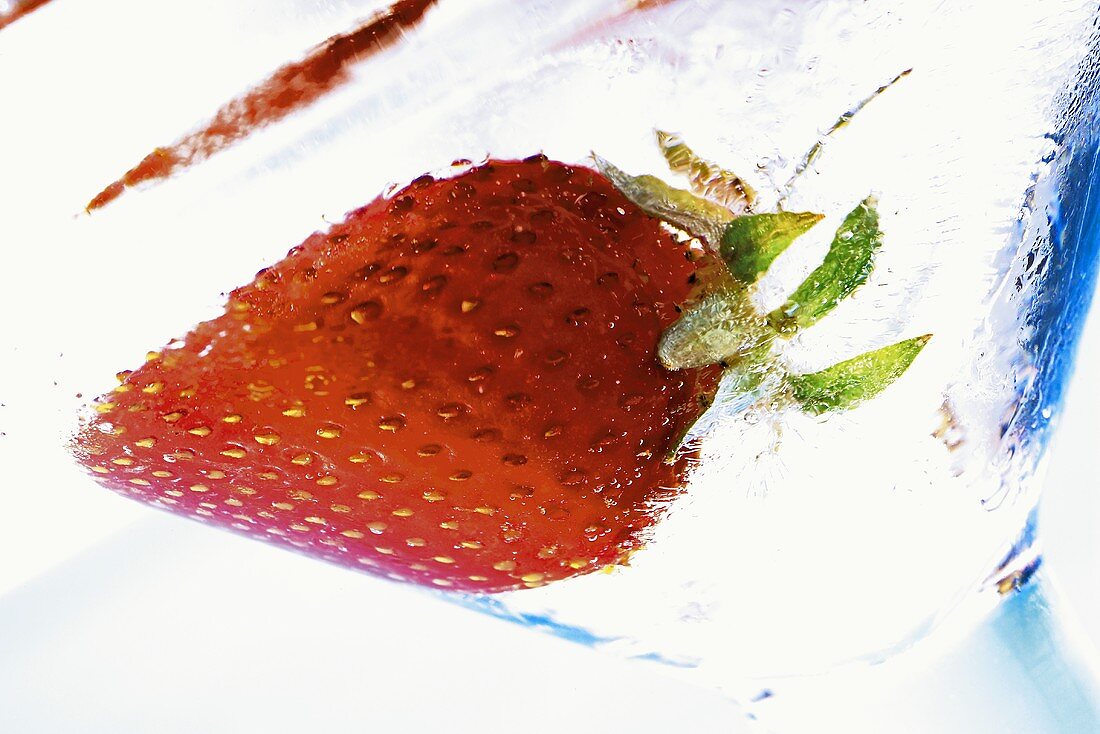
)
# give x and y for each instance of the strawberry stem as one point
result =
(841, 123)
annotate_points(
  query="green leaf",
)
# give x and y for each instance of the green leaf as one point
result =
(720, 327)
(707, 179)
(750, 243)
(694, 214)
(846, 267)
(848, 383)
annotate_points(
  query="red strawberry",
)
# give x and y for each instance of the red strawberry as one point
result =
(456, 386)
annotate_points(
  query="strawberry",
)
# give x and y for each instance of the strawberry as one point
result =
(487, 382)
(457, 386)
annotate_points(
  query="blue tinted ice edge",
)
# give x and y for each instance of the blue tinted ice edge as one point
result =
(543, 623)
(1065, 279)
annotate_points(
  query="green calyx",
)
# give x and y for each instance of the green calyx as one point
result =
(723, 326)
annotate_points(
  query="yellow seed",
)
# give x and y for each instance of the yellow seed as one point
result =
(442, 582)
(152, 356)
(302, 460)
(234, 453)
(311, 326)
(402, 512)
(368, 494)
(359, 458)
(343, 509)
(104, 407)
(173, 492)
(162, 474)
(200, 431)
(199, 488)
(392, 478)
(485, 510)
(215, 474)
(478, 578)
(377, 527)
(505, 565)
(295, 413)
(140, 482)
(247, 491)
(101, 470)
(146, 443)
(183, 455)
(204, 513)
(384, 551)
(417, 567)
(300, 528)
(153, 388)
(408, 384)
(234, 502)
(328, 432)
(434, 496)
(171, 417)
(283, 505)
(416, 542)
(443, 559)
(356, 534)
(122, 389)
(123, 461)
(271, 476)
(232, 418)
(354, 401)
(317, 520)
(268, 439)
(449, 525)
(461, 476)
(531, 578)
(276, 531)
(471, 544)
(188, 392)
(468, 306)
(301, 495)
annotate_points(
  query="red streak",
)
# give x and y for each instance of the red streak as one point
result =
(21, 8)
(292, 87)
(612, 21)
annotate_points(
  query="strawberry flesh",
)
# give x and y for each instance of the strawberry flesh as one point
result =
(457, 386)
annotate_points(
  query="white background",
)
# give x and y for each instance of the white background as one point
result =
(114, 619)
